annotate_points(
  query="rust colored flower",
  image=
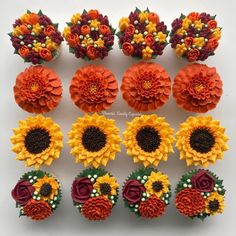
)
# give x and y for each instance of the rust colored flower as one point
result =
(190, 202)
(193, 16)
(73, 40)
(85, 29)
(149, 39)
(212, 44)
(188, 41)
(91, 52)
(212, 24)
(153, 207)
(49, 30)
(24, 51)
(38, 89)
(146, 86)
(45, 54)
(104, 29)
(37, 210)
(93, 14)
(130, 30)
(127, 48)
(197, 88)
(93, 88)
(153, 17)
(97, 208)
(193, 55)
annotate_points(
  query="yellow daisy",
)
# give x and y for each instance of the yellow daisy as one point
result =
(106, 185)
(201, 141)
(148, 139)
(94, 140)
(157, 184)
(47, 187)
(37, 141)
(215, 204)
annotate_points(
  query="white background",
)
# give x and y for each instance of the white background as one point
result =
(67, 220)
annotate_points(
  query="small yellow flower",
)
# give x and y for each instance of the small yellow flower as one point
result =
(161, 37)
(87, 41)
(99, 42)
(147, 53)
(75, 18)
(17, 31)
(217, 33)
(199, 42)
(25, 18)
(37, 47)
(215, 204)
(198, 24)
(138, 38)
(95, 23)
(123, 23)
(143, 16)
(151, 27)
(186, 23)
(51, 45)
(181, 31)
(180, 49)
(66, 32)
(37, 28)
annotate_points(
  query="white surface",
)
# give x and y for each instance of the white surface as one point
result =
(67, 220)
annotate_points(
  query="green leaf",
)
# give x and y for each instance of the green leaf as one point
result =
(137, 10)
(28, 11)
(55, 26)
(84, 12)
(40, 13)
(182, 16)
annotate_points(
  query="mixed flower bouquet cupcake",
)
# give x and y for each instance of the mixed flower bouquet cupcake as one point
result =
(37, 194)
(95, 192)
(142, 35)
(89, 35)
(195, 36)
(200, 194)
(147, 192)
(36, 38)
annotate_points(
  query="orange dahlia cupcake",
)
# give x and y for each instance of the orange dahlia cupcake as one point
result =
(38, 89)
(93, 88)
(146, 86)
(197, 88)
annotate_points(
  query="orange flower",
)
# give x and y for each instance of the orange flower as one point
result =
(48, 30)
(193, 16)
(193, 54)
(149, 39)
(24, 29)
(73, 40)
(212, 24)
(93, 14)
(130, 30)
(85, 29)
(33, 18)
(127, 48)
(212, 44)
(45, 54)
(91, 52)
(104, 29)
(24, 51)
(188, 41)
(153, 17)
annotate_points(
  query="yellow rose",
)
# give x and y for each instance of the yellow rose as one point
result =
(151, 27)
(143, 16)
(75, 18)
(147, 53)
(186, 23)
(123, 23)
(138, 38)
(180, 49)
(199, 42)
(161, 37)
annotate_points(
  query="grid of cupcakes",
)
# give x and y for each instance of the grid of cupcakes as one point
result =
(147, 192)
(37, 194)
(94, 193)
(200, 194)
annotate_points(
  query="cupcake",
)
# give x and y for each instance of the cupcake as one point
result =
(195, 36)
(37, 141)
(201, 141)
(148, 139)
(93, 88)
(199, 194)
(94, 193)
(142, 35)
(38, 89)
(146, 86)
(89, 35)
(36, 38)
(94, 140)
(37, 194)
(147, 192)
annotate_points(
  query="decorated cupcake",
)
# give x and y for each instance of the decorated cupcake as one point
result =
(147, 192)
(38, 89)
(36, 38)
(95, 192)
(89, 35)
(93, 88)
(195, 36)
(199, 194)
(148, 139)
(201, 141)
(94, 140)
(37, 194)
(37, 141)
(142, 35)
(146, 86)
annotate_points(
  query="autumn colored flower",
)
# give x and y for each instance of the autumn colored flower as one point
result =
(127, 48)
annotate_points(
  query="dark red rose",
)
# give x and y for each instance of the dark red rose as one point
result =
(81, 189)
(203, 181)
(22, 192)
(132, 191)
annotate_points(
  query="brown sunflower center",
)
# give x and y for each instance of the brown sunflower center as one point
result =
(202, 140)
(93, 139)
(105, 188)
(37, 140)
(45, 190)
(214, 205)
(148, 139)
(157, 186)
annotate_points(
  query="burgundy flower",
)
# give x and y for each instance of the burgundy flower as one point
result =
(28, 39)
(80, 51)
(175, 39)
(56, 37)
(102, 52)
(205, 17)
(132, 191)
(103, 19)
(141, 27)
(75, 29)
(81, 190)
(22, 192)
(204, 53)
(126, 38)
(203, 181)
(191, 32)
(133, 16)
(176, 24)
(109, 40)
(16, 42)
(138, 50)
(205, 32)
(17, 23)
(44, 20)
(158, 48)
(161, 27)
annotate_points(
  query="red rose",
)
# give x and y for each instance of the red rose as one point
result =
(188, 41)
(23, 192)
(149, 39)
(193, 54)
(132, 191)
(130, 30)
(127, 48)
(81, 190)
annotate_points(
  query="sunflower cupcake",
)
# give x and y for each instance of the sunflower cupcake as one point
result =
(36, 38)
(94, 193)
(148, 139)
(37, 141)
(93, 88)
(201, 141)
(146, 86)
(37, 194)
(147, 192)
(199, 194)
(94, 140)
(142, 35)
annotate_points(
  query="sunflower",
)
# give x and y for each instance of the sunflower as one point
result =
(157, 184)
(201, 141)
(37, 141)
(94, 140)
(148, 139)
(215, 204)
(47, 187)
(106, 185)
